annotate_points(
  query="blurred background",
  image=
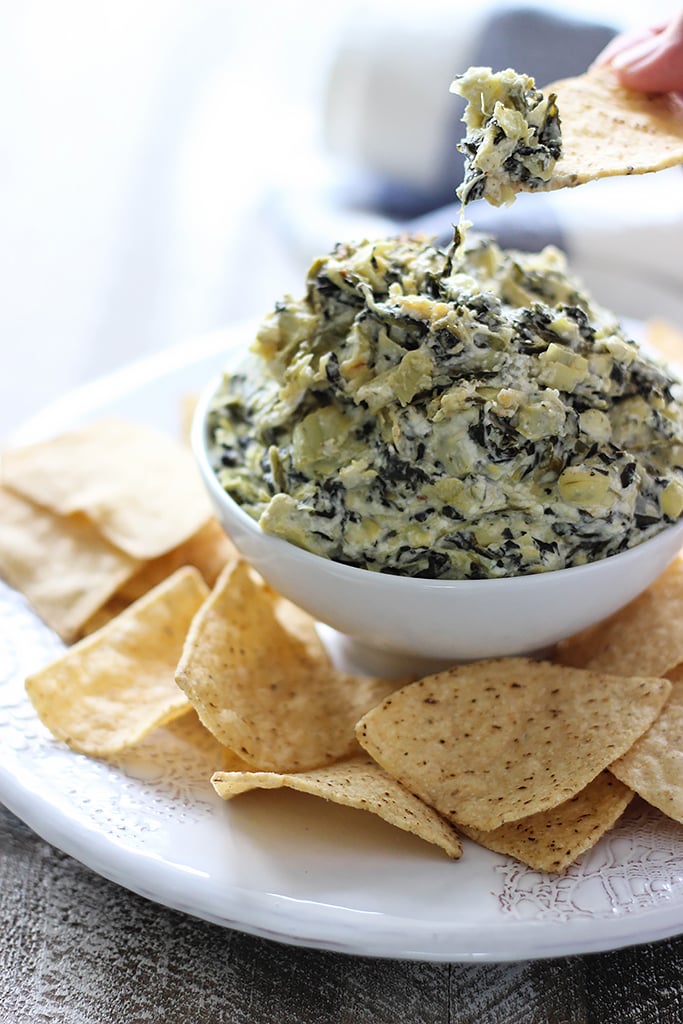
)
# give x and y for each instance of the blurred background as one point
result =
(168, 167)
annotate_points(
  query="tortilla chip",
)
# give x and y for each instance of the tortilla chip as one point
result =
(138, 486)
(183, 744)
(495, 741)
(260, 690)
(209, 551)
(666, 340)
(62, 564)
(113, 608)
(609, 130)
(653, 767)
(114, 687)
(188, 407)
(645, 638)
(354, 783)
(299, 624)
(553, 839)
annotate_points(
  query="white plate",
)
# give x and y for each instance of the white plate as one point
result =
(284, 865)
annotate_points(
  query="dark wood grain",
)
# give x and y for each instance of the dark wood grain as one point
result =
(79, 949)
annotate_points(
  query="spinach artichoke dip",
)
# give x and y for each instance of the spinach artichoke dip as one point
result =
(455, 413)
(513, 137)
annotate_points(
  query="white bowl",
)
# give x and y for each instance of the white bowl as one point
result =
(396, 624)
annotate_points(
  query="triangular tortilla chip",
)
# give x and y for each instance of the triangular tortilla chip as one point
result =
(261, 690)
(495, 741)
(138, 486)
(608, 130)
(209, 550)
(358, 782)
(112, 688)
(645, 638)
(553, 839)
(62, 564)
(653, 767)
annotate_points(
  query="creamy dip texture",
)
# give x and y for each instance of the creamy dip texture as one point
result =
(454, 413)
(513, 137)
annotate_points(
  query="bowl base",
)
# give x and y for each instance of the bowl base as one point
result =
(349, 654)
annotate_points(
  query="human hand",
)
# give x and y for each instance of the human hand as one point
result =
(650, 60)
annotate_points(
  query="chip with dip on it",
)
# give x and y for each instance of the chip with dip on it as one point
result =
(608, 130)
(513, 138)
(577, 130)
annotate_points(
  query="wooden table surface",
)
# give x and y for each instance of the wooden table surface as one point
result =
(77, 948)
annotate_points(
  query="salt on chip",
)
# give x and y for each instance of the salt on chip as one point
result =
(495, 741)
(62, 564)
(357, 782)
(609, 130)
(140, 488)
(259, 688)
(552, 840)
(644, 638)
(112, 688)
(653, 766)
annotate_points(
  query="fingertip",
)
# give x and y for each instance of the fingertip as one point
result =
(623, 43)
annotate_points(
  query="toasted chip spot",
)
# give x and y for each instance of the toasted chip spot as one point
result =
(112, 688)
(359, 783)
(266, 691)
(553, 839)
(496, 741)
(138, 486)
